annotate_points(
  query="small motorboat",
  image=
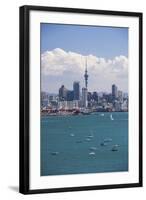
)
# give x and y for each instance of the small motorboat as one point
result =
(85, 113)
(54, 153)
(115, 147)
(72, 135)
(93, 148)
(103, 144)
(108, 140)
(90, 136)
(92, 153)
(88, 139)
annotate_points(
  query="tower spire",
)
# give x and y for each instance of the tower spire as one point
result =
(86, 75)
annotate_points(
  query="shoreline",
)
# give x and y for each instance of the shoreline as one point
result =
(79, 114)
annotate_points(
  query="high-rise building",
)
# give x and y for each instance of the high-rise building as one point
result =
(44, 99)
(114, 91)
(117, 106)
(70, 95)
(76, 90)
(86, 76)
(120, 96)
(89, 96)
(95, 96)
(62, 93)
(52, 98)
(84, 97)
(62, 105)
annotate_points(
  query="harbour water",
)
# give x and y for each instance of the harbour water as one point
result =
(84, 143)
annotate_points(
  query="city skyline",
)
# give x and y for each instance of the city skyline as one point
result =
(63, 62)
(99, 92)
(77, 99)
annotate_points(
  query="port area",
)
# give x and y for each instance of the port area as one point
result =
(66, 112)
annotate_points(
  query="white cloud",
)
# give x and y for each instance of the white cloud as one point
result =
(70, 66)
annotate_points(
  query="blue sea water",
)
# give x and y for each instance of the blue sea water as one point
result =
(67, 143)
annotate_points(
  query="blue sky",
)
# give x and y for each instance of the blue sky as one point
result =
(64, 49)
(106, 42)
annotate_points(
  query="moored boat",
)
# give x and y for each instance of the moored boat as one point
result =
(115, 147)
(108, 140)
(54, 153)
(93, 148)
(92, 153)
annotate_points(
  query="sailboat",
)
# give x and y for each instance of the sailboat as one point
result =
(111, 117)
(90, 135)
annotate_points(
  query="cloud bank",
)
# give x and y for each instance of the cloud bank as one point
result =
(61, 67)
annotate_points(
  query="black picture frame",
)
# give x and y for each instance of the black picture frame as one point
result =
(25, 105)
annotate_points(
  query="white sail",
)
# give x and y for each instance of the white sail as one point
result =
(111, 117)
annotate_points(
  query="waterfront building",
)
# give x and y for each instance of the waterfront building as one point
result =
(76, 90)
(62, 105)
(76, 104)
(120, 96)
(117, 106)
(44, 99)
(44, 95)
(62, 93)
(70, 105)
(44, 103)
(52, 98)
(125, 105)
(53, 104)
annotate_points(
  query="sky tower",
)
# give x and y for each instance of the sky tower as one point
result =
(86, 75)
(85, 89)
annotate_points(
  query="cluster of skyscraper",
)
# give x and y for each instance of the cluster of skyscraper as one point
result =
(74, 96)
(70, 95)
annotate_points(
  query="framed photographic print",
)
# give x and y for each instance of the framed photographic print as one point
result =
(80, 99)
